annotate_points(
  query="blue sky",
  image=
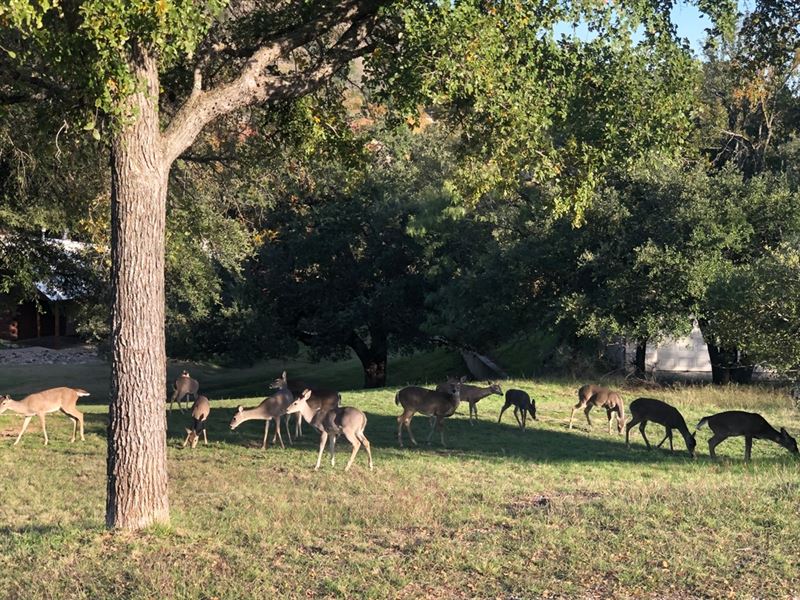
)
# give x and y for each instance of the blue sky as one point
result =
(691, 23)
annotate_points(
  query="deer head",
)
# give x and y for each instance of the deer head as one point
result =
(192, 437)
(5, 400)
(280, 382)
(496, 389)
(299, 403)
(784, 440)
(237, 417)
(691, 444)
(184, 373)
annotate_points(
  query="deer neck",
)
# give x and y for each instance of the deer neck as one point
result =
(19, 406)
(251, 414)
(308, 413)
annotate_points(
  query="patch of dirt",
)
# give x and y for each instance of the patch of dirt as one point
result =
(38, 355)
(538, 502)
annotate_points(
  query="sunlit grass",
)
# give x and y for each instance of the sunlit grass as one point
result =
(498, 513)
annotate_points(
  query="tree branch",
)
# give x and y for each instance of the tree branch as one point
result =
(258, 83)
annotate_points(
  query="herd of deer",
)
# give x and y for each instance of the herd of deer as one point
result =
(321, 409)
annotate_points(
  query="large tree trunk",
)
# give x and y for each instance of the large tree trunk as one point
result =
(639, 360)
(373, 357)
(729, 366)
(137, 454)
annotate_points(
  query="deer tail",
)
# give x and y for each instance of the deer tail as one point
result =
(702, 422)
(81, 392)
(397, 398)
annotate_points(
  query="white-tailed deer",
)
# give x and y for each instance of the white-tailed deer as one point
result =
(590, 396)
(340, 420)
(271, 408)
(42, 403)
(521, 402)
(752, 426)
(649, 409)
(320, 400)
(439, 405)
(200, 411)
(470, 393)
(184, 386)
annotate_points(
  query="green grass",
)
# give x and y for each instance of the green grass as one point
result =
(219, 382)
(499, 513)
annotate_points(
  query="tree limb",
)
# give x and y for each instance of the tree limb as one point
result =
(258, 83)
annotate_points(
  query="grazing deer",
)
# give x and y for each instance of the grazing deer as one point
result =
(42, 403)
(521, 401)
(590, 396)
(271, 408)
(200, 411)
(339, 420)
(320, 400)
(439, 405)
(470, 393)
(648, 409)
(733, 423)
(184, 386)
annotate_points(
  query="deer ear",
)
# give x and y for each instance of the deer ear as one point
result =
(239, 408)
(463, 379)
(784, 433)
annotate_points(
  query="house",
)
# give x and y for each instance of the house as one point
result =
(51, 310)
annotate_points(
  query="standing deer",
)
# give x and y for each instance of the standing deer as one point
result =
(470, 393)
(42, 403)
(184, 386)
(439, 405)
(200, 411)
(320, 400)
(271, 408)
(733, 423)
(339, 420)
(521, 401)
(650, 409)
(590, 396)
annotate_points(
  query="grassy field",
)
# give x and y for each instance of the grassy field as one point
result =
(499, 513)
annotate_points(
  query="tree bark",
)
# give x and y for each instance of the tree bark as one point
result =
(137, 453)
(374, 357)
(639, 360)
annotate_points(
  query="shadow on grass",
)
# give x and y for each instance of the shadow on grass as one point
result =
(483, 440)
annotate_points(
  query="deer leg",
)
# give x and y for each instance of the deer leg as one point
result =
(353, 439)
(400, 430)
(266, 434)
(278, 429)
(516, 416)
(472, 409)
(44, 428)
(205, 437)
(586, 412)
(713, 443)
(77, 419)
(365, 441)
(24, 427)
(628, 428)
(410, 434)
(186, 441)
(288, 432)
(332, 449)
(323, 437)
(434, 428)
(524, 418)
(440, 427)
(502, 410)
(748, 446)
(642, 425)
(608, 414)
(572, 414)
